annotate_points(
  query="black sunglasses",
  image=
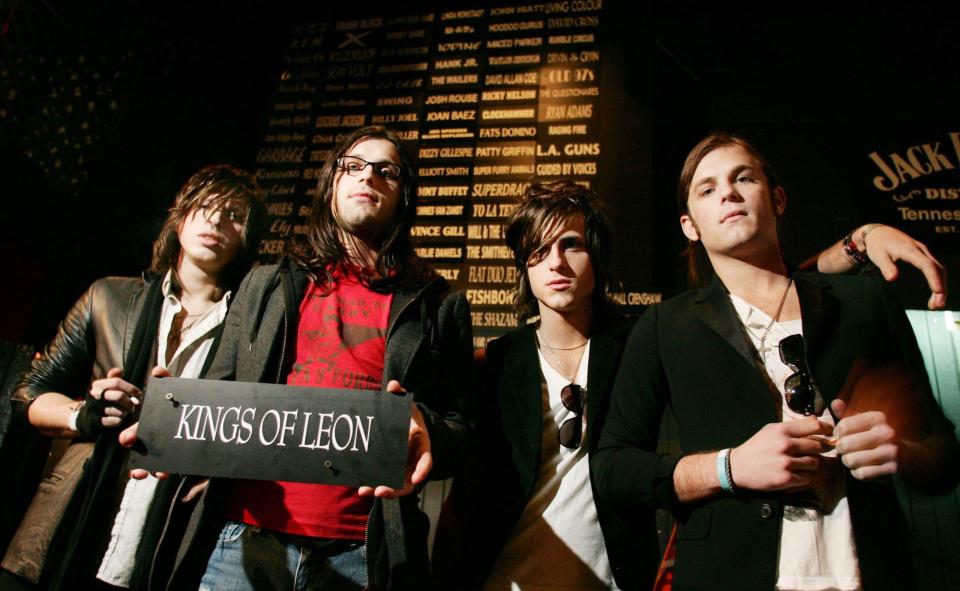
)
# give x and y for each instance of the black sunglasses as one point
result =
(570, 430)
(800, 390)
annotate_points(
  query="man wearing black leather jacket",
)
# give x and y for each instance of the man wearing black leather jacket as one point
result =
(72, 534)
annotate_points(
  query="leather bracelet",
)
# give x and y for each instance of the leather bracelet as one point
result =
(856, 256)
(724, 472)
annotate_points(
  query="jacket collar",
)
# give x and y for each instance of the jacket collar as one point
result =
(717, 312)
(135, 307)
(606, 347)
(404, 298)
(404, 338)
(520, 400)
(819, 311)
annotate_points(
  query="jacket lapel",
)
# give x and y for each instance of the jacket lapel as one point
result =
(716, 311)
(604, 354)
(819, 312)
(404, 339)
(280, 311)
(520, 401)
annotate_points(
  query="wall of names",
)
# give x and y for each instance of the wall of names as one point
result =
(486, 99)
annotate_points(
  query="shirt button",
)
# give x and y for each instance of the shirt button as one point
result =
(766, 511)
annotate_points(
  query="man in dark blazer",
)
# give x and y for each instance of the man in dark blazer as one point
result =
(525, 512)
(538, 522)
(797, 396)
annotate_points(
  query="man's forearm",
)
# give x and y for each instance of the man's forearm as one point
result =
(834, 259)
(695, 477)
(50, 414)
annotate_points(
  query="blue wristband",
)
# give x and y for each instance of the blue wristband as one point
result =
(724, 473)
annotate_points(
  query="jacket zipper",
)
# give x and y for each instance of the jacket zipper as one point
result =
(366, 549)
(283, 343)
(410, 302)
(386, 338)
(386, 341)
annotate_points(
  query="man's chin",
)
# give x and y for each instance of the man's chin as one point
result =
(366, 228)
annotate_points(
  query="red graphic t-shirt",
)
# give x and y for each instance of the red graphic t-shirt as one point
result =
(340, 344)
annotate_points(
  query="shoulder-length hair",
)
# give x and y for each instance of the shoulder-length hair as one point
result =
(397, 265)
(543, 206)
(699, 269)
(215, 186)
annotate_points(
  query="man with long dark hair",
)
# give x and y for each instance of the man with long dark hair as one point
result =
(355, 309)
(797, 396)
(74, 533)
(525, 514)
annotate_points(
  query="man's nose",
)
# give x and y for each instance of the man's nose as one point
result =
(366, 172)
(728, 192)
(555, 258)
(215, 217)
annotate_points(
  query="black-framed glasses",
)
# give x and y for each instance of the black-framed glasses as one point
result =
(571, 430)
(352, 165)
(800, 390)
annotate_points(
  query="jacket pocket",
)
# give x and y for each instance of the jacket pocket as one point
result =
(28, 549)
(697, 527)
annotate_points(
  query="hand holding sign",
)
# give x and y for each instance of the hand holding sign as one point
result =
(110, 400)
(419, 456)
(128, 437)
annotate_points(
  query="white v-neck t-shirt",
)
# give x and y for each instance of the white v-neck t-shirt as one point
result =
(557, 543)
(817, 551)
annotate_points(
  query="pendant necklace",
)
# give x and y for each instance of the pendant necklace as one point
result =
(776, 316)
(551, 351)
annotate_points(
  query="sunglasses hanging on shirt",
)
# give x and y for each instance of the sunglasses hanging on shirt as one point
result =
(800, 390)
(571, 430)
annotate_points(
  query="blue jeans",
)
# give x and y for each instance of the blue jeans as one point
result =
(248, 558)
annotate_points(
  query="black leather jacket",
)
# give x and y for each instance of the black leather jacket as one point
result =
(94, 336)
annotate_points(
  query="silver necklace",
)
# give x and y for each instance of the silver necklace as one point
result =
(776, 316)
(551, 351)
(190, 319)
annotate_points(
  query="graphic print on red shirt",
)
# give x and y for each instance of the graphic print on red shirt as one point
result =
(341, 341)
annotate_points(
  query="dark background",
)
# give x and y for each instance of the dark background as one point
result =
(175, 86)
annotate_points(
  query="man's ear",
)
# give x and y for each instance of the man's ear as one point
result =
(689, 228)
(779, 198)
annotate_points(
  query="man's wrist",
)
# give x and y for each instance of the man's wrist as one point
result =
(72, 419)
(863, 233)
(724, 472)
(855, 255)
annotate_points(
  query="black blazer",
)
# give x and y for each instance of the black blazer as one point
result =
(691, 353)
(487, 500)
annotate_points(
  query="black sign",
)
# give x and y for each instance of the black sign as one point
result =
(274, 432)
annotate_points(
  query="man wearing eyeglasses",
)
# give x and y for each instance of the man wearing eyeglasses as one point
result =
(797, 397)
(355, 309)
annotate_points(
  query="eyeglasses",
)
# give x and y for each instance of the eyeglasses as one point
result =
(352, 165)
(571, 430)
(800, 390)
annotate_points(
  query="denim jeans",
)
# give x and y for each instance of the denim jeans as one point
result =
(248, 558)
